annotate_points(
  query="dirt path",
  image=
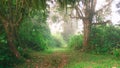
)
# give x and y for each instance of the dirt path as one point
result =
(54, 60)
(69, 60)
(63, 61)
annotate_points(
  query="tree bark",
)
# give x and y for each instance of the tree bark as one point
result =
(9, 29)
(86, 23)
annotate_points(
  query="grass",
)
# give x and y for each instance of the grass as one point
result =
(62, 58)
(57, 49)
(86, 60)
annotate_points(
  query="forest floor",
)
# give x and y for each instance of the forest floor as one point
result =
(61, 58)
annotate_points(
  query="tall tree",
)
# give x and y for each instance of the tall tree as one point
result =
(85, 10)
(11, 15)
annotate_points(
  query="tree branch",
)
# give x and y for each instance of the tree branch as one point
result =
(93, 5)
(104, 6)
(79, 11)
(80, 14)
(3, 19)
(19, 20)
(77, 17)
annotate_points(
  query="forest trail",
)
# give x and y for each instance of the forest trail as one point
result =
(69, 59)
(54, 60)
(57, 59)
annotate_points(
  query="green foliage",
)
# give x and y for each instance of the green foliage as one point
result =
(14, 11)
(64, 3)
(75, 41)
(7, 59)
(5, 55)
(24, 52)
(7, 7)
(104, 39)
(34, 32)
(116, 52)
(58, 41)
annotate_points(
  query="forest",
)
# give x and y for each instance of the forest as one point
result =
(59, 34)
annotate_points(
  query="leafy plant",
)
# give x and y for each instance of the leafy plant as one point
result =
(58, 40)
(75, 41)
(34, 32)
(104, 38)
(116, 52)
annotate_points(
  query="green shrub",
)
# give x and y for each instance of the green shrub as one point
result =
(7, 59)
(104, 38)
(58, 40)
(75, 41)
(116, 52)
(36, 37)
(34, 32)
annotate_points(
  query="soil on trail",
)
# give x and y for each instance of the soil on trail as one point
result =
(54, 60)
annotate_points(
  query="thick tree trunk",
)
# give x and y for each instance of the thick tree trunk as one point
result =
(87, 25)
(9, 28)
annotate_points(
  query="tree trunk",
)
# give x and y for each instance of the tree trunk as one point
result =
(87, 25)
(9, 29)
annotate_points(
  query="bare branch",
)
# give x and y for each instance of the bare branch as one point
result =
(79, 11)
(19, 20)
(93, 5)
(74, 17)
(80, 14)
(104, 6)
